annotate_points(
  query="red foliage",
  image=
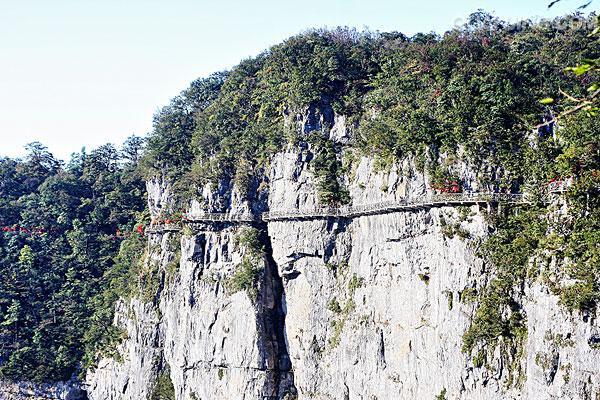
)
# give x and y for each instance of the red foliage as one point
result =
(449, 186)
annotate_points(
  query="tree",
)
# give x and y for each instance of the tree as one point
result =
(40, 163)
(588, 102)
(168, 146)
(132, 149)
(26, 257)
(59, 244)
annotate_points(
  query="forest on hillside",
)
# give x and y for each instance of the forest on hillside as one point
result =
(71, 243)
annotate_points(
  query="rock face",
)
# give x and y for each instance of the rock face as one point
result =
(140, 356)
(216, 343)
(221, 344)
(367, 308)
(26, 390)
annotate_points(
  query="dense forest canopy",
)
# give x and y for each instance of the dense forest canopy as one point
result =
(473, 91)
(477, 87)
(59, 236)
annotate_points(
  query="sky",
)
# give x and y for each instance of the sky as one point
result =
(77, 73)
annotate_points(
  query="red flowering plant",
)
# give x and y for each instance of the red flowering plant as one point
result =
(448, 186)
(444, 182)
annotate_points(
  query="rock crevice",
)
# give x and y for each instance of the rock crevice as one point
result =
(345, 309)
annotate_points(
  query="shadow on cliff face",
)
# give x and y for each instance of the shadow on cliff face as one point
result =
(271, 327)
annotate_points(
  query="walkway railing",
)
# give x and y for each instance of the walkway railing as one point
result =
(559, 186)
(163, 228)
(219, 217)
(347, 211)
(392, 206)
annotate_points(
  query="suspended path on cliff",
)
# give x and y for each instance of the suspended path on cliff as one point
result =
(352, 211)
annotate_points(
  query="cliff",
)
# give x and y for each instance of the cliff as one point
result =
(309, 235)
(373, 307)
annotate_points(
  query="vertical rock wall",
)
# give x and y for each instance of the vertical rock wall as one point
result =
(365, 308)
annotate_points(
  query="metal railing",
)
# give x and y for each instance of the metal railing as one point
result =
(559, 186)
(219, 217)
(348, 211)
(163, 228)
(391, 206)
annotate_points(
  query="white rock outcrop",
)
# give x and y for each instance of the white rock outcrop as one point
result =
(361, 309)
(33, 391)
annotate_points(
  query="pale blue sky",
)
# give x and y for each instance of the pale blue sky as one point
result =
(87, 72)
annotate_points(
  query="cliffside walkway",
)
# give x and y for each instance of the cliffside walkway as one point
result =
(435, 200)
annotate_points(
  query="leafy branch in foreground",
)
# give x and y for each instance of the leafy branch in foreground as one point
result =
(587, 69)
(581, 7)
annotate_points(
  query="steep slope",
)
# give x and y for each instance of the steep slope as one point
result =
(374, 307)
(449, 301)
(366, 278)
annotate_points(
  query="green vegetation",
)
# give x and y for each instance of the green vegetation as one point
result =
(249, 238)
(449, 298)
(245, 277)
(168, 151)
(355, 283)
(498, 318)
(61, 274)
(588, 67)
(338, 327)
(334, 306)
(186, 230)
(472, 95)
(476, 88)
(327, 169)
(175, 249)
(451, 229)
(566, 369)
(479, 359)
(468, 295)
(163, 388)
(248, 272)
(337, 267)
(520, 236)
(119, 281)
(442, 395)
